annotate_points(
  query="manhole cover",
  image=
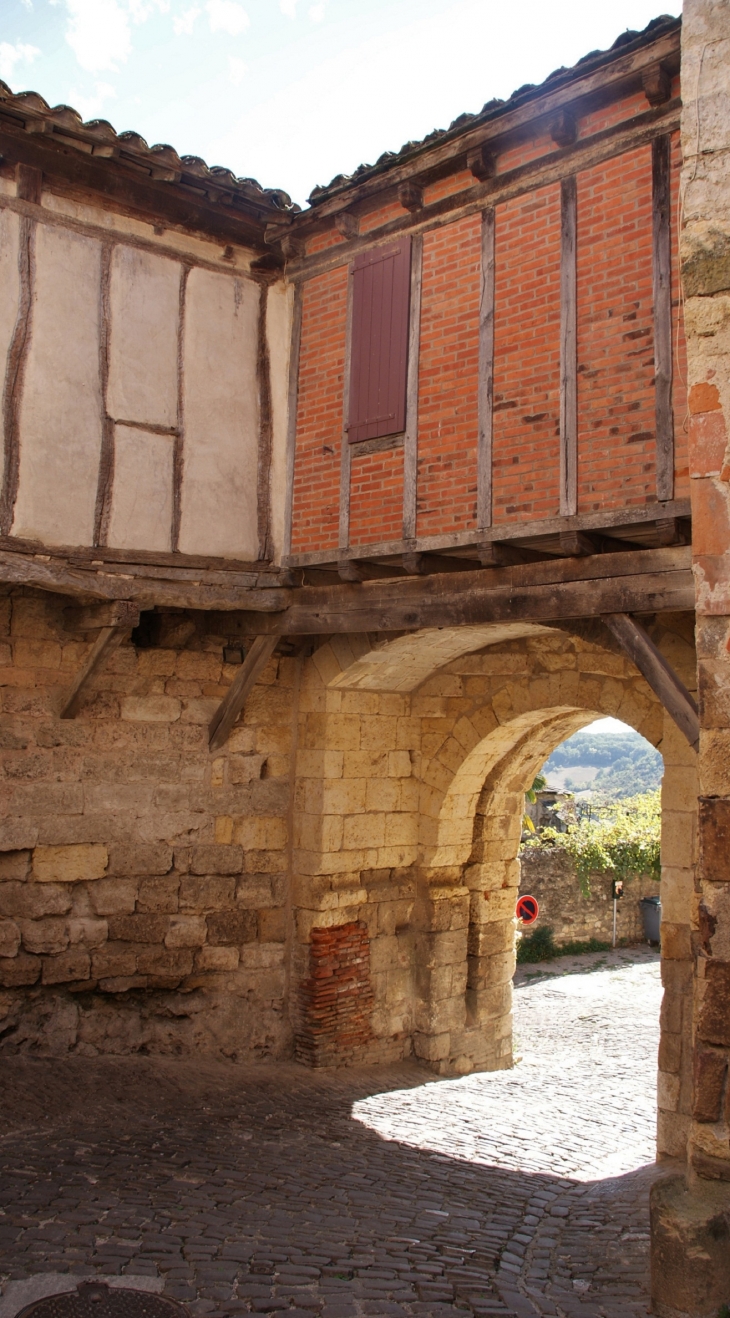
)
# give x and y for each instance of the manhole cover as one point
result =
(94, 1299)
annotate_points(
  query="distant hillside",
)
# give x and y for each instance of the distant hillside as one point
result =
(616, 764)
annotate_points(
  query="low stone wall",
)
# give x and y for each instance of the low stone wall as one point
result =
(551, 877)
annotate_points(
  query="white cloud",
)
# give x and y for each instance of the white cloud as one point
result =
(141, 10)
(227, 16)
(288, 7)
(20, 53)
(183, 26)
(316, 12)
(237, 70)
(91, 104)
(98, 33)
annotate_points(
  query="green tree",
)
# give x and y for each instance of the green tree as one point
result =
(622, 837)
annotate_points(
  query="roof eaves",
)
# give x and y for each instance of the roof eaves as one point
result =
(495, 108)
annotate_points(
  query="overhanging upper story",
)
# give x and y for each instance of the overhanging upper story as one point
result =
(468, 355)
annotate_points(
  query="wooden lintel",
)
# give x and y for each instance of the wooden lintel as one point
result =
(258, 656)
(107, 640)
(90, 617)
(658, 672)
(656, 580)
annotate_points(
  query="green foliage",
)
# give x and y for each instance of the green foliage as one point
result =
(626, 764)
(539, 784)
(537, 946)
(724, 1311)
(540, 945)
(622, 837)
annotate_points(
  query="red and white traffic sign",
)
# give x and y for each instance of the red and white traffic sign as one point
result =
(527, 910)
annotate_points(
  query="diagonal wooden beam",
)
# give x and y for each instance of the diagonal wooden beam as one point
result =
(107, 640)
(660, 675)
(232, 703)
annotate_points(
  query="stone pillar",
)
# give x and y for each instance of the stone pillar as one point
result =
(691, 1213)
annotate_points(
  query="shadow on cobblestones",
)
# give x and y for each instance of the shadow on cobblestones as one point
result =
(268, 1189)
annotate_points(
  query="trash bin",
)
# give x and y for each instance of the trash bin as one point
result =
(651, 914)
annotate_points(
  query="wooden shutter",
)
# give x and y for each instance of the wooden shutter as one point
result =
(381, 293)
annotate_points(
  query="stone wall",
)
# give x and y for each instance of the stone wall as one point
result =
(143, 891)
(551, 877)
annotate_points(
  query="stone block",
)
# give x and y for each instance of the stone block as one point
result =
(676, 941)
(272, 925)
(30, 901)
(212, 858)
(714, 837)
(166, 962)
(19, 971)
(709, 1071)
(430, 1047)
(90, 932)
(232, 928)
(159, 895)
(113, 960)
(206, 893)
(217, 958)
(113, 896)
(44, 936)
(67, 967)
(150, 709)
(9, 938)
(690, 1247)
(14, 865)
(186, 931)
(670, 1052)
(668, 1092)
(69, 864)
(134, 858)
(138, 928)
(714, 1018)
(244, 769)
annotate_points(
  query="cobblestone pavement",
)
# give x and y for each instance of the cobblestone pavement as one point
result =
(354, 1193)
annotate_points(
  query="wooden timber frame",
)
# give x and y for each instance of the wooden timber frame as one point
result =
(480, 147)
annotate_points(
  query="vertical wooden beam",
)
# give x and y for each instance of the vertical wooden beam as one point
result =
(662, 282)
(346, 447)
(105, 478)
(15, 369)
(485, 401)
(658, 672)
(230, 707)
(263, 464)
(568, 349)
(178, 453)
(292, 402)
(410, 439)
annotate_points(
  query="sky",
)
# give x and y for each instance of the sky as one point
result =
(292, 92)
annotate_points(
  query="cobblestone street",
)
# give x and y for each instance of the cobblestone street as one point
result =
(371, 1192)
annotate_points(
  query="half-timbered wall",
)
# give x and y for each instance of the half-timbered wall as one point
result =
(145, 389)
(510, 269)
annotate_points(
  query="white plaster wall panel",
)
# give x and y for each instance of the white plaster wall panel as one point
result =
(220, 417)
(278, 333)
(141, 514)
(9, 298)
(144, 298)
(60, 416)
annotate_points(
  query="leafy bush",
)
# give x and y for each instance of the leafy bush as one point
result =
(537, 946)
(623, 837)
(540, 945)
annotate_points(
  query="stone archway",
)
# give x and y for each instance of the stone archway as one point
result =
(411, 772)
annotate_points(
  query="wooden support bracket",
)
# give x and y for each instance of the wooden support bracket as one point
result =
(576, 544)
(410, 196)
(230, 707)
(661, 677)
(107, 640)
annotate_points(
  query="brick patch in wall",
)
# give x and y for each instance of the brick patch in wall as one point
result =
(336, 1001)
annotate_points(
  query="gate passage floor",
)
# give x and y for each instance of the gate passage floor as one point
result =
(351, 1193)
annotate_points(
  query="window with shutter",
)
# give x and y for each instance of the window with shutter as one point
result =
(381, 292)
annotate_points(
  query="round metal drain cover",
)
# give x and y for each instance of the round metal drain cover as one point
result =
(94, 1299)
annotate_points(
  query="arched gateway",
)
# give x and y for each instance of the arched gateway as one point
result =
(415, 754)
